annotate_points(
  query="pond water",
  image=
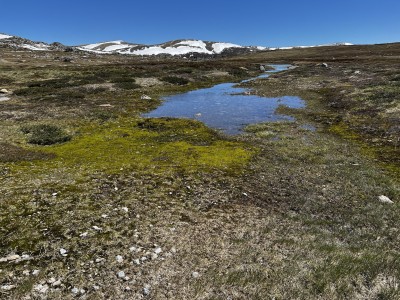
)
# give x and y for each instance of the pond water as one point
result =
(226, 107)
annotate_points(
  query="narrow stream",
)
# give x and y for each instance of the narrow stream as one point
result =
(226, 107)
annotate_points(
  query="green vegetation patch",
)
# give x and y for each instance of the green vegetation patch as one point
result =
(151, 144)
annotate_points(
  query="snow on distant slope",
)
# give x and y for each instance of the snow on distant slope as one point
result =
(219, 47)
(180, 47)
(5, 36)
(36, 47)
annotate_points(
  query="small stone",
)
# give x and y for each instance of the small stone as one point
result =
(121, 274)
(195, 275)
(83, 234)
(63, 252)
(119, 258)
(35, 272)
(173, 250)
(56, 283)
(96, 287)
(145, 97)
(26, 272)
(99, 260)
(104, 216)
(136, 261)
(51, 280)
(146, 289)
(10, 258)
(41, 288)
(144, 258)
(4, 91)
(125, 209)
(385, 199)
(96, 228)
(82, 291)
(132, 249)
(7, 287)
(74, 290)
(158, 250)
(54, 194)
(154, 256)
(245, 194)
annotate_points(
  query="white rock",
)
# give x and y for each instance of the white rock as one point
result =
(7, 287)
(26, 272)
(54, 194)
(145, 97)
(83, 234)
(158, 250)
(385, 199)
(154, 256)
(144, 258)
(11, 257)
(96, 228)
(56, 283)
(136, 261)
(195, 275)
(74, 290)
(146, 289)
(132, 249)
(35, 272)
(51, 280)
(121, 274)
(4, 91)
(41, 288)
(119, 258)
(96, 287)
(82, 291)
(104, 216)
(99, 260)
(125, 209)
(63, 252)
(173, 250)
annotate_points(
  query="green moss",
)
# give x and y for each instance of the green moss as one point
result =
(127, 144)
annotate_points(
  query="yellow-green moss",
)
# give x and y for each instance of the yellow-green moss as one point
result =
(169, 143)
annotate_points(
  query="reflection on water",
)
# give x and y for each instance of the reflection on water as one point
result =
(226, 107)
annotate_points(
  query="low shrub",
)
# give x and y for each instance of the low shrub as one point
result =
(45, 134)
(175, 80)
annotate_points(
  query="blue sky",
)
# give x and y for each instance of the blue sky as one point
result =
(250, 22)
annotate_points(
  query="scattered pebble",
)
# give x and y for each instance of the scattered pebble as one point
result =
(74, 290)
(56, 283)
(11, 257)
(154, 256)
(104, 216)
(7, 287)
(119, 258)
(145, 97)
(26, 272)
(158, 250)
(83, 234)
(35, 272)
(96, 228)
(51, 280)
(41, 288)
(125, 209)
(173, 250)
(136, 261)
(146, 289)
(195, 275)
(121, 274)
(54, 194)
(132, 249)
(385, 199)
(63, 252)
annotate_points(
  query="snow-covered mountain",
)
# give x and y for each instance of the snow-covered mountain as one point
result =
(21, 43)
(185, 48)
(177, 47)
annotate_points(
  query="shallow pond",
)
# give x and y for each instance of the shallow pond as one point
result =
(226, 107)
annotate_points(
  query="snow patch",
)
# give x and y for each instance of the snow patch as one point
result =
(219, 47)
(181, 50)
(5, 36)
(35, 47)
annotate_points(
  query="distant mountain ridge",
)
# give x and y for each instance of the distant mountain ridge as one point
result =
(185, 48)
